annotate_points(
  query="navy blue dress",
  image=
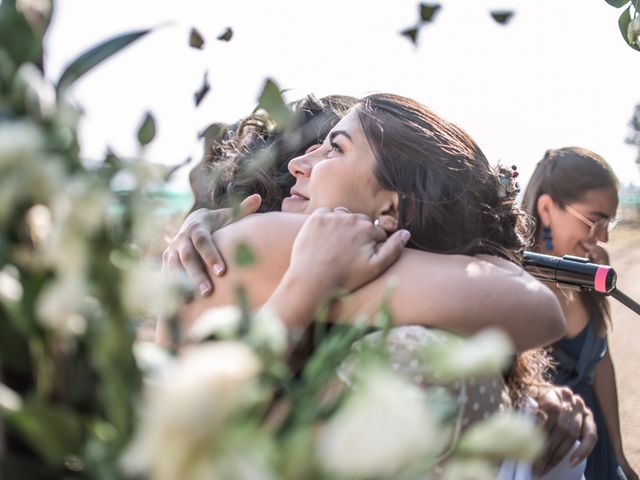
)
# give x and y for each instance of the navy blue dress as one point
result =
(576, 359)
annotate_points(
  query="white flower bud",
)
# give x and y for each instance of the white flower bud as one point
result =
(10, 287)
(507, 435)
(188, 407)
(486, 353)
(383, 428)
(59, 305)
(10, 401)
(19, 142)
(633, 30)
(221, 322)
(37, 93)
(146, 291)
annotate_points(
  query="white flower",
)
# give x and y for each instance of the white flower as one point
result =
(59, 305)
(186, 410)
(384, 427)
(222, 322)
(10, 401)
(37, 93)
(504, 435)
(268, 330)
(39, 223)
(10, 287)
(151, 358)
(147, 291)
(83, 205)
(486, 353)
(68, 250)
(19, 141)
(633, 30)
(469, 469)
(89, 204)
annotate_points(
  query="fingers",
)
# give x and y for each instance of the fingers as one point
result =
(250, 205)
(390, 250)
(588, 438)
(195, 268)
(170, 260)
(561, 439)
(568, 419)
(206, 248)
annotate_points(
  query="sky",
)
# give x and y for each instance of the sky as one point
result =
(559, 74)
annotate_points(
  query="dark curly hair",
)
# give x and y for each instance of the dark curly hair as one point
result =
(252, 156)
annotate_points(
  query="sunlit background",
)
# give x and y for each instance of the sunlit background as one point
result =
(558, 74)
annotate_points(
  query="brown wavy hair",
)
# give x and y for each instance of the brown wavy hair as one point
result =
(450, 196)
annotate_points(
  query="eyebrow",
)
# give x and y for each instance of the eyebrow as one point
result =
(335, 133)
(600, 214)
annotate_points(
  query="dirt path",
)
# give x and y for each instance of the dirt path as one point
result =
(624, 250)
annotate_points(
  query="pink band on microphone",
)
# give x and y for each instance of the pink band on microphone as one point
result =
(600, 281)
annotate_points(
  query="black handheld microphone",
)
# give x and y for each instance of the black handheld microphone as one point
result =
(571, 272)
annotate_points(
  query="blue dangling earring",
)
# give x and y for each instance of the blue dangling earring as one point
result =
(547, 238)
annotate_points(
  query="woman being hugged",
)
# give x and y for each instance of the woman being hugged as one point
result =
(573, 196)
(399, 167)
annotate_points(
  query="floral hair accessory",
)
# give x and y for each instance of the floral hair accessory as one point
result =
(507, 178)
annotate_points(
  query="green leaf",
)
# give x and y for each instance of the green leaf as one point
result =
(617, 3)
(147, 130)
(214, 132)
(195, 39)
(96, 55)
(204, 89)
(226, 35)
(411, 34)
(244, 255)
(623, 23)
(271, 100)
(503, 17)
(52, 431)
(428, 11)
(17, 37)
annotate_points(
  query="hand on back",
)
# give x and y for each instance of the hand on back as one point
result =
(343, 250)
(193, 249)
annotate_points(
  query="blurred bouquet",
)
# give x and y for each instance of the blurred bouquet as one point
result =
(75, 284)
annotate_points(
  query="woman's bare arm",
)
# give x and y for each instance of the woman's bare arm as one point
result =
(455, 292)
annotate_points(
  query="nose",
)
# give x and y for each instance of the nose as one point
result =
(602, 235)
(301, 166)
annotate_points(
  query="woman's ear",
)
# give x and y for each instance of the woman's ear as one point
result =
(545, 205)
(387, 215)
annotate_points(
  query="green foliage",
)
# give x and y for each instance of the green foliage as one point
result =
(195, 39)
(503, 17)
(244, 255)
(17, 37)
(95, 56)
(411, 34)
(271, 101)
(54, 432)
(147, 129)
(226, 35)
(624, 22)
(202, 92)
(428, 11)
(618, 3)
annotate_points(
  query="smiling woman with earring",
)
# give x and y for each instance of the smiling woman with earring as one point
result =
(573, 197)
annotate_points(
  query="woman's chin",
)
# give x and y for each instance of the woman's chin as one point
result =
(295, 205)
